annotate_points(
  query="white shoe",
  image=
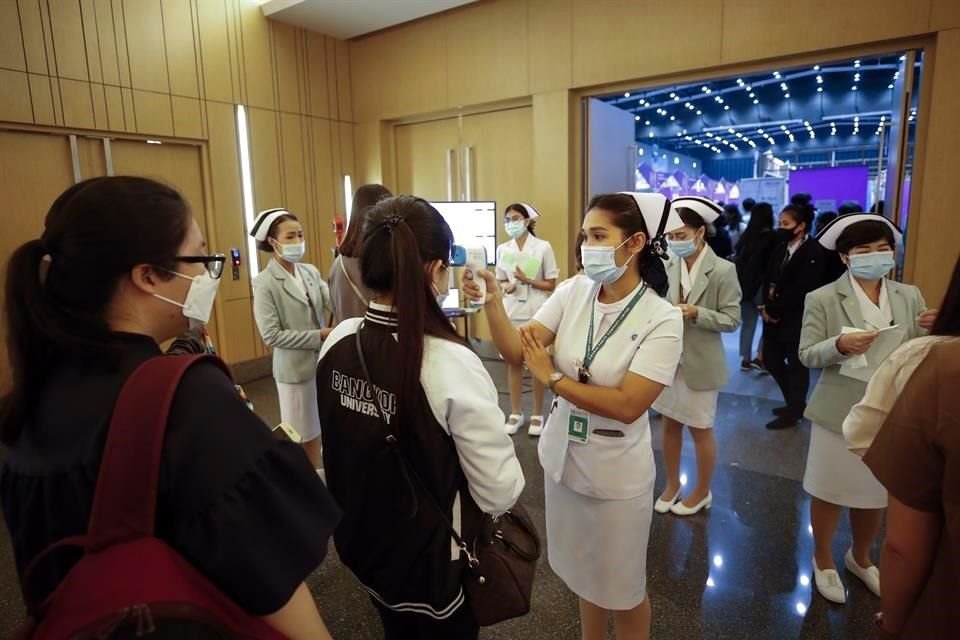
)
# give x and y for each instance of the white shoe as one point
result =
(322, 474)
(663, 506)
(679, 509)
(514, 422)
(829, 584)
(870, 576)
(535, 429)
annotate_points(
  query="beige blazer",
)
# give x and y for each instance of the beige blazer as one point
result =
(826, 311)
(716, 294)
(290, 322)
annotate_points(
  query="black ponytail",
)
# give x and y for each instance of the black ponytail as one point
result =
(58, 287)
(625, 215)
(401, 236)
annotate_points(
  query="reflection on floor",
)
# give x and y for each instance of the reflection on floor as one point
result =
(741, 570)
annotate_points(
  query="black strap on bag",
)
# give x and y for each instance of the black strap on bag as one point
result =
(500, 575)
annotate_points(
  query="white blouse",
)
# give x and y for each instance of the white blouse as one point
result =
(524, 303)
(649, 344)
(862, 424)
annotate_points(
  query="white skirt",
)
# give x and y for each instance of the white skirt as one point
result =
(298, 407)
(838, 476)
(599, 547)
(697, 409)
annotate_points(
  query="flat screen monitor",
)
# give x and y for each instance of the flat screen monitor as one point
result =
(473, 224)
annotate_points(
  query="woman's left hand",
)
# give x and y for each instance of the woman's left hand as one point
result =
(535, 356)
(690, 312)
(522, 277)
(928, 318)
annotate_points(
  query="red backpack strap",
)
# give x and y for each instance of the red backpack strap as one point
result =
(125, 502)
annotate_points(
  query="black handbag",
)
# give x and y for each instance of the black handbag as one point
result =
(501, 552)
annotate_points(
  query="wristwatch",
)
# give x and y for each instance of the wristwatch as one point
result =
(555, 377)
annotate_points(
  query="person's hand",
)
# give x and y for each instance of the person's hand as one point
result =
(510, 289)
(856, 343)
(690, 311)
(767, 317)
(325, 332)
(522, 277)
(471, 291)
(928, 318)
(535, 356)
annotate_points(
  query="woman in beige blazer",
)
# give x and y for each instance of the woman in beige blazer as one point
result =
(707, 291)
(849, 328)
(289, 299)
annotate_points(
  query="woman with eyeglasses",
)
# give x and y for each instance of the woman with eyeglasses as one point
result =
(527, 272)
(121, 267)
(289, 300)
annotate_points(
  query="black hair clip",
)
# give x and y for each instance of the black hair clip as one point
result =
(659, 247)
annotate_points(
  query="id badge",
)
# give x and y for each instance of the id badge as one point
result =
(578, 426)
(523, 292)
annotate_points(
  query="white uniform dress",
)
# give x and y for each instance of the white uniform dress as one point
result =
(298, 400)
(697, 409)
(834, 473)
(523, 304)
(599, 494)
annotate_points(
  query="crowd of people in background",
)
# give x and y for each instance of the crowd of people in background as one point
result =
(381, 396)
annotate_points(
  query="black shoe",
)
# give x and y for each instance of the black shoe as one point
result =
(783, 422)
(756, 364)
(745, 365)
(781, 411)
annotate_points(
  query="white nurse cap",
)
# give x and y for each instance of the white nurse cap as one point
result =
(658, 216)
(532, 213)
(703, 207)
(831, 233)
(263, 222)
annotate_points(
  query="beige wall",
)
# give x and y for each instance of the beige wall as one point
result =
(174, 69)
(555, 50)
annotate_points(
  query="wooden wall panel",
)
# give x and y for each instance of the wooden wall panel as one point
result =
(57, 101)
(613, 39)
(296, 196)
(323, 185)
(42, 100)
(77, 104)
(487, 52)
(31, 30)
(549, 45)
(98, 98)
(215, 49)
(120, 40)
(11, 42)
(944, 14)
(70, 48)
(316, 54)
(344, 99)
(758, 30)
(106, 40)
(91, 40)
(179, 45)
(237, 343)
(145, 45)
(15, 103)
(48, 44)
(265, 158)
(129, 114)
(367, 150)
(258, 61)
(153, 112)
(332, 79)
(288, 78)
(115, 116)
(187, 121)
(550, 188)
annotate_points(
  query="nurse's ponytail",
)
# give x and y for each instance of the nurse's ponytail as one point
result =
(402, 236)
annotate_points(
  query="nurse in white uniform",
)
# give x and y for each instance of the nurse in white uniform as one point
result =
(527, 272)
(289, 300)
(618, 343)
(706, 289)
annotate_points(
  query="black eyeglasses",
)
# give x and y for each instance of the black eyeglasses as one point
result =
(214, 263)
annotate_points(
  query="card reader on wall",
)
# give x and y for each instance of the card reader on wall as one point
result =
(235, 262)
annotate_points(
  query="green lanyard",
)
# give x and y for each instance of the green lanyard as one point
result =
(590, 353)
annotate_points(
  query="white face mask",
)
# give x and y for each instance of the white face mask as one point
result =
(441, 295)
(600, 264)
(199, 301)
(292, 252)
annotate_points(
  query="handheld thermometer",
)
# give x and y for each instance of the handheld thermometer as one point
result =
(476, 262)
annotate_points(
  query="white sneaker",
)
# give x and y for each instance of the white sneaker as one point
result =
(829, 584)
(514, 422)
(535, 429)
(870, 576)
(680, 509)
(663, 506)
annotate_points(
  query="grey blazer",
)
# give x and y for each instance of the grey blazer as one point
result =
(826, 311)
(288, 321)
(716, 294)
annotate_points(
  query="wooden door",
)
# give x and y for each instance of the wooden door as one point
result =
(497, 157)
(40, 166)
(427, 159)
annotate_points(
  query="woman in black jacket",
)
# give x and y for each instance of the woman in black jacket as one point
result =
(753, 255)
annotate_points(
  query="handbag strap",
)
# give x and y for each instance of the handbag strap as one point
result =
(405, 465)
(353, 285)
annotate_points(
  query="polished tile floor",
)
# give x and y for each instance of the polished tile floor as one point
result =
(742, 570)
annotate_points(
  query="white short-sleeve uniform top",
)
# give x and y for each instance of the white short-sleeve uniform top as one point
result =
(524, 303)
(649, 344)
